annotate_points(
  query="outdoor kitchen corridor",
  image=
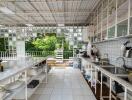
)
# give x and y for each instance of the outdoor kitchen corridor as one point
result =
(64, 84)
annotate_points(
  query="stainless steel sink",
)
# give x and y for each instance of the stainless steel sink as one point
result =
(97, 63)
(103, 65)
(116, 70)
(124, 78)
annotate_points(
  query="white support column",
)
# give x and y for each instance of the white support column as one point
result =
(95, 81)
(46, 72)
(101, 21)
(116, 20)
(107, 18)
(91, 75)
(125, 94)
(110, 89)
(20, 48)
(97, 24)
(101, 86)
(129, 8)
(26, 93)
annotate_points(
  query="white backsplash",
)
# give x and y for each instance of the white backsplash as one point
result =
(113, 48)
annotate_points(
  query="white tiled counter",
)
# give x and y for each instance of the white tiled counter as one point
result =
(15, 69)
(112, 77)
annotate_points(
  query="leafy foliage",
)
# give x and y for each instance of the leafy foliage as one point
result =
(45, 43)
(30, 47)
(2, 44)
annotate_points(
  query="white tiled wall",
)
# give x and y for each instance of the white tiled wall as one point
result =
(113, 48)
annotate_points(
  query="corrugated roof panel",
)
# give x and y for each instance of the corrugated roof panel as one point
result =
(56, 11)
(25, 6)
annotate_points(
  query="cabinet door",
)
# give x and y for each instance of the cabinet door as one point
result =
(104, 35)
(122, 28)
(130, 30)
(111, 32)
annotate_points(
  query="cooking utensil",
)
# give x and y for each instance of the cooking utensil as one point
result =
(130, 77)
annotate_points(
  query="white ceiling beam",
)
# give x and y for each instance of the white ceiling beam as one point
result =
(39, 0)
(36, 10)
(50, 10)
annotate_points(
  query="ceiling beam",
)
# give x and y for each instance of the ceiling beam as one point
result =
(39, 0)
(36, 10)
(50, 10)
(21, 10)
(93, 11)
(64, 10)
(10, 17)
(78, 10)
(41, 21)
(53, 11)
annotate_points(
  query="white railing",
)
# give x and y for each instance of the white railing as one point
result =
(7, 55)
(39, 53)
(10, 56)
(66, 54)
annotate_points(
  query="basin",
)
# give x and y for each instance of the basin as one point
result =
(103, 65)
(96, 63)
(116, 70)
(124, 78)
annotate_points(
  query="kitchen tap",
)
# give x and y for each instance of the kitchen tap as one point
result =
(124, 65)
(106, 55)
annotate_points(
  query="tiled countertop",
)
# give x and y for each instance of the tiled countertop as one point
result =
(14, 67)
(107, 73)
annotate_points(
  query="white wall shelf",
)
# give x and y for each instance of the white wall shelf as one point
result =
(20, 67)
(121, 12)
(114, 39)
(30, 91)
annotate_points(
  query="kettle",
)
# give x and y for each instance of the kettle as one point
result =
(124, 48)
(129, 53)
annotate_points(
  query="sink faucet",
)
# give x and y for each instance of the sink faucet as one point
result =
(124, 65)
(106, 55)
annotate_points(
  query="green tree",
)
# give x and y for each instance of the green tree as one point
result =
(46, 43)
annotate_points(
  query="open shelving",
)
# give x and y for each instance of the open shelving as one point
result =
(20, 73)
(109, 17)
(30, 91)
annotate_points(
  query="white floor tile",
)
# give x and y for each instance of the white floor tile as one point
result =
(35, 97)
(44, 97)
(57, 91)
(44, 91)
(78, 97)
(55, 97)
(77, 91)
(67, 97)
(67, 91)
(64, 84)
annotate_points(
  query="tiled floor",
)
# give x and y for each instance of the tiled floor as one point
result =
(64, 84)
